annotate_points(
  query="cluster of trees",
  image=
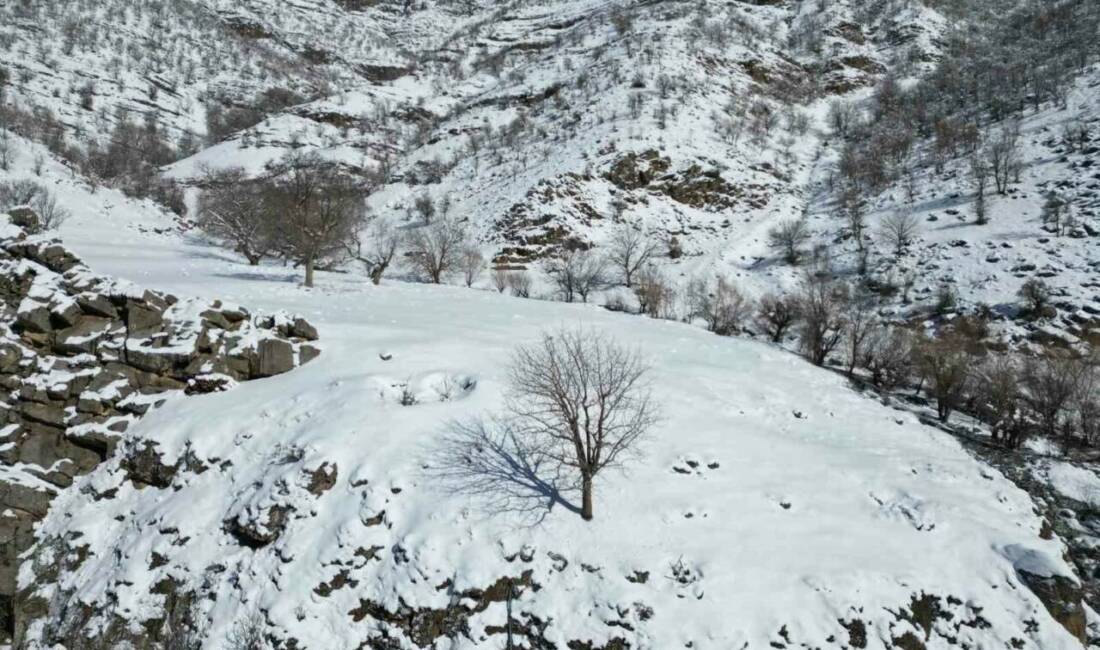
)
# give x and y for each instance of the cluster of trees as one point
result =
(309, 212)
(1026, 57)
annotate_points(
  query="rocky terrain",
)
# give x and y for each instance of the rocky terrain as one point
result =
(85, 356)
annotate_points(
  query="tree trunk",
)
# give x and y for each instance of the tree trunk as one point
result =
(309, 271)
(586, 497)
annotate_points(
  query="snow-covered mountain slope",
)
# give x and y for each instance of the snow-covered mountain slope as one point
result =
(527, 121)
(772, 506)
(986, 264)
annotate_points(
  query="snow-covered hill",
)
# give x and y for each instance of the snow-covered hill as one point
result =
(773, 504)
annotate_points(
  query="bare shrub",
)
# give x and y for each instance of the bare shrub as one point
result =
(500, 278)
(944, 366)
(520, 284)
(788, 238)
(721, 305)
(577, 273)
(1036, 296)
(887, 356)
(472, 263)
(656, 296)
(822, 306)
(776, 314)
(999, 401)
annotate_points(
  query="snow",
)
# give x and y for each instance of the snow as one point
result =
(808, 502)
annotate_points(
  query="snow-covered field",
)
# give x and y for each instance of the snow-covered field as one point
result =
(773, 504)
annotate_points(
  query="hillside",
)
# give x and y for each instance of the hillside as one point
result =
(773, 505)
(247, 404)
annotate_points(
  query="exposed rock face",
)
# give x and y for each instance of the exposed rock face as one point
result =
(82, 356)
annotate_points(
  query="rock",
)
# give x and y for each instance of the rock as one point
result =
(96, 305)
(142, 319)
(275, 357)
(307, 353)
(1063, 599)
(259, 530)
(303, 330)
(25, 217)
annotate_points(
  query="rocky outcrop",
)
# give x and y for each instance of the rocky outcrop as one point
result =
(83, 356)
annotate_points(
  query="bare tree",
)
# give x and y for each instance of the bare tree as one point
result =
(654, 293)
(944, 365)
(1036, 296)
(788, 237)
(775, 314)
(584, 399)
(378, 252)
(239, 212)
(472, 263)
(979, 174)
(436, 248)
(520, 284)
(861, 323)
(1003, 156)
(1049, 383)
(721, 305)
(822, 304)
(999, 400)
(320, 207)
(899, 229)
(577, 273)
(629, 251)
(888, 356)
(500, 278)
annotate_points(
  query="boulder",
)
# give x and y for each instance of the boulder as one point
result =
(276, 356)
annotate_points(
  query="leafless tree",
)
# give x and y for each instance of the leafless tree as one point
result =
(437, 248)
(999, 400)
(320, 209)
(248, 634)
(1003, 156)
(520, 284)
(822, 305)
(862, 321)
(50, 213)
(472, 263)
(721, 305)
(776, 314)
(788, 238)
(500, 278)
(238, 211)
(577, 273)
(584, 400)
(887, 356)
(1036, 296)
(629, 251)
(1049, 384)
(944, 366)
(654, 293)
(899, 229)
(379, 250)
(979, 174)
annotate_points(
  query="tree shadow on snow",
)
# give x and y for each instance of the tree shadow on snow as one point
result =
(490, 462)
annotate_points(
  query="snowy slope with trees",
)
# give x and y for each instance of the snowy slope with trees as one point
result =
(903, 192)
(771, 504)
